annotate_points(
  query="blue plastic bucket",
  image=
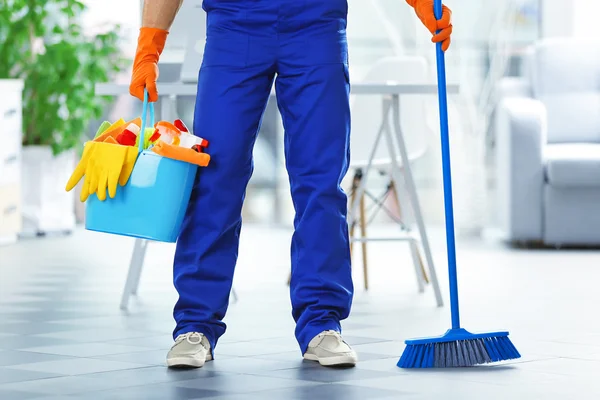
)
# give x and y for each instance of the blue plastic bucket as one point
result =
(152, 204)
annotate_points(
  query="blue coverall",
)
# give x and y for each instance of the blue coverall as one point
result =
(301, 46)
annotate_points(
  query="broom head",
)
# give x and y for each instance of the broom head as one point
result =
(458, 348)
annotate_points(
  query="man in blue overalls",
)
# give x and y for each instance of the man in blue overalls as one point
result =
(300, 45)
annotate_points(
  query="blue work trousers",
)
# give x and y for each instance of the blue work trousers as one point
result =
(301, 46)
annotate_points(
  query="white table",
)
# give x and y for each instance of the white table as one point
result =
(189, 89)
(390, 93)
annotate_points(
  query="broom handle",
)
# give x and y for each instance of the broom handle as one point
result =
(447, 176)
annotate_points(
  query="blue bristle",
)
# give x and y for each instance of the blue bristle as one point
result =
(413, 355)
(504, 352)
(491, 350)
(430, 356)
(403, 363)
(418, 356)
(422, 355)
(511, 351)
(464, 352)
(514, 353)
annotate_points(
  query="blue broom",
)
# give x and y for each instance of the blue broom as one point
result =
(457, 347)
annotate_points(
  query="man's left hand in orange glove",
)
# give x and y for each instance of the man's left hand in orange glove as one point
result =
(424, 10)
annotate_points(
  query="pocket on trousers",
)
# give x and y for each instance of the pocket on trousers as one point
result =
(223, 50)
(325, 49)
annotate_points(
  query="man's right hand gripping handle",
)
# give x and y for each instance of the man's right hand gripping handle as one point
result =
(151, 43)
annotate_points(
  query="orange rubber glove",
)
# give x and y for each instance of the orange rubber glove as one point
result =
(181, 154)
(424, 10)
(151, 43)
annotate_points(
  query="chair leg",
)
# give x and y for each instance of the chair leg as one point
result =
(355, 184)
(395, 198)
(134, 273)
(234, 295)
(422, 264)
(363, 234)
(142, 255)
(414, 252)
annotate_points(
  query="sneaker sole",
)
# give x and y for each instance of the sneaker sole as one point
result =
(338, 361)
(187, 362)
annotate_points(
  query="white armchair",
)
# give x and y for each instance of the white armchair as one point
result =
(548, 146)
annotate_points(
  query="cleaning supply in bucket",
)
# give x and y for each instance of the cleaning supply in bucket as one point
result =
(117, 128)
(104, 165)
(181, 153)
(169, 133)
(129, 136)
(102, 128)
(109, 159)
(165, 178)
(457, 347)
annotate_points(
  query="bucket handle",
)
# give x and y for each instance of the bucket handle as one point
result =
(147, 105)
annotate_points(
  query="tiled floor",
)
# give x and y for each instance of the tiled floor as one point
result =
(62, 335)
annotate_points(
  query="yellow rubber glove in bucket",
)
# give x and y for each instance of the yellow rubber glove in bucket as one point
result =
(104, 165)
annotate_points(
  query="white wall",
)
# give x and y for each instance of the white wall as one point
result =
(585, 17)
(562, 18)
(557, 18)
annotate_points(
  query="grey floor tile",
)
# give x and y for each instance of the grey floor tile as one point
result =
(77, 366)
(46, 316)
(22, 342)
(160, 342)
(154, 392)
(154, 375)
(87, 349)
(331, 392)
(314, 373)
(437, 385)
(380, 364)
(242, 383)
(287, 341)
(13, 357)
(565, 366)
(358, 340)
(95, 335)
(67, 385)
(390, 349)
(230, 396)
(244, 349)
(16, 395)
(151, 357)
(485, 374)
(8, 375)
(363, 357)
(285, 356)
(251, 364)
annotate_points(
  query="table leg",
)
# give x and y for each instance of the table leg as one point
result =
(412, 192)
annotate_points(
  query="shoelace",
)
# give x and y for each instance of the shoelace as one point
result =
(334, 334)
(193, 338)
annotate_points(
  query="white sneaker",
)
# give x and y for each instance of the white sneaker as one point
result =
(190, 350)
(330, 350)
